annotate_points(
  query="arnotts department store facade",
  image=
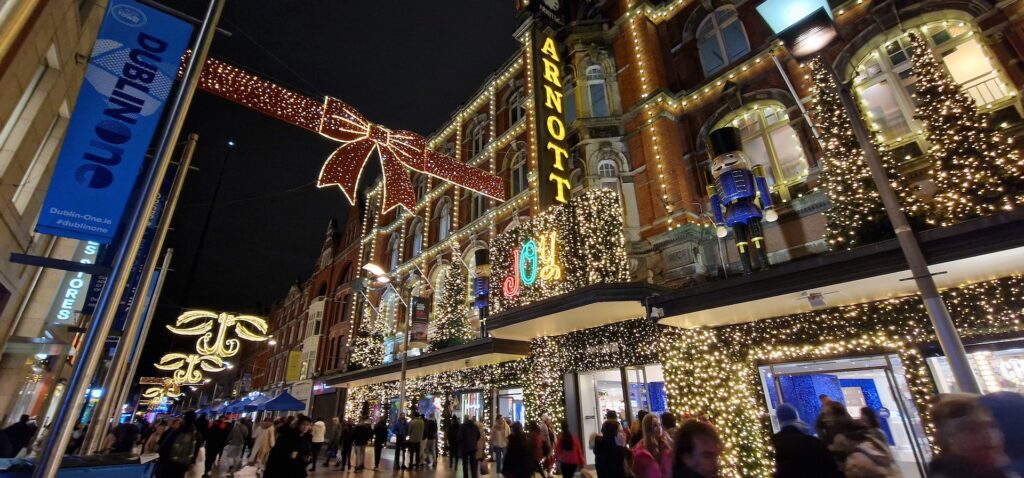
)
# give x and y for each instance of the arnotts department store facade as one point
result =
(596, 238)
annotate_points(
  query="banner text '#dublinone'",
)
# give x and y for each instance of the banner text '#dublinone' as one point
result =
(125, 104)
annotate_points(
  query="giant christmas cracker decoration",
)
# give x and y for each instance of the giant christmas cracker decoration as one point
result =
(360, 138)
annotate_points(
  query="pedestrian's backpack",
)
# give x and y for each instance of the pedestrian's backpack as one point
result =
(183, 448)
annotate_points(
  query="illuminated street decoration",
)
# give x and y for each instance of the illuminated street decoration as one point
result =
(188, 368)
(534, 259)
(201, 322)
(167, 389)
(561, 250)
(338, 121)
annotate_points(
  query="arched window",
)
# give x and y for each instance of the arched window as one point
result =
(608, 173)
(416, 237)
(885, 81)
(419, 186)
(515, 101)
(394, 251)
(517, 170)
(443, 214)
(448, 149)
(598, 91)
(721, 40)
(477, 206)
(770, 140)
(576, 181)
(477, 137)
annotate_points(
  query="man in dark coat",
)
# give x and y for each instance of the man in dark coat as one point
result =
(216, 438)
(292, 453)
(18, 435)
(797, 454)
(469, 435)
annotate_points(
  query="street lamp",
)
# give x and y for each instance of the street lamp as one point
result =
(806, 27)
(381, 277)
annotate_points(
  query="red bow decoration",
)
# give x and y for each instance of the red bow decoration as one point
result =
(397, 150)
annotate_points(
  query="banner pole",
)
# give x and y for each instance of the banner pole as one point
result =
(106, 308)
(130, 342)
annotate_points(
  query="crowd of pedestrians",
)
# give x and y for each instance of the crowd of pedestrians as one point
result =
(977, 437)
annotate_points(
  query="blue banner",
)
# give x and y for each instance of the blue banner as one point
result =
(130, 74)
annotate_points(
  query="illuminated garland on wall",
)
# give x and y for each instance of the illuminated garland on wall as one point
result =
(590, 249)
(713, 372)
(633, 342)
(977, 170)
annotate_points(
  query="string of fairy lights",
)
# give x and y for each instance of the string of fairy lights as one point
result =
(450, 324)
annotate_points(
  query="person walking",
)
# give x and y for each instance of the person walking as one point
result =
(415, 440)
(216, 438)
(499, 441)
(332, 440)
(568, 452)
(481, 447)
(609, 450)
(380, 439)
(430, 441)
(360, 438)
(401, 431)
(292, 452)
(265, 437)
(237, 435)
(652, 455)
(520, 459)
(250, 439)
(797, 453)
(970, 441)
(698, 448)
(451, 434)
(178, 449)
(152, 444)
(318, 434)
(347, 440)
(19, 435)
(538, 445)
(468, 437)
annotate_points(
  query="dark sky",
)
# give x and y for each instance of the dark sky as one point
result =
(406, 64)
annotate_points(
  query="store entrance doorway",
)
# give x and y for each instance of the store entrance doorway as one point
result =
(877, 382)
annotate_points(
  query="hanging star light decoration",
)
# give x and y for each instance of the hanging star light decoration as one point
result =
(332, 118)
(201, 322)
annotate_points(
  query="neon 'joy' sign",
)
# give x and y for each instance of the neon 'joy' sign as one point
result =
(535, 259)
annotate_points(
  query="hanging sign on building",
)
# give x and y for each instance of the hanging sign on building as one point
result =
(72, 289)
(553, 162)
(420, 320)
(561, 250)
(130, 74)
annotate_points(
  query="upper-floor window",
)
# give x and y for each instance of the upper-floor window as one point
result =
(721, 40)
(477, 137)
(394, 255)
(419, 186)
(516, 110)
(770, 140)
(416, 237)
(885, 81)
(597, 89)
(477, 206)
(608, 172)
(576, 181)
(518, 170)
(569, 103)
(444, 219)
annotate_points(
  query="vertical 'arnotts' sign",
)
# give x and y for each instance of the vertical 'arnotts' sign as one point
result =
(553, 164)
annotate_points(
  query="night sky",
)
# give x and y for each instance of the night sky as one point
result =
(405, 64)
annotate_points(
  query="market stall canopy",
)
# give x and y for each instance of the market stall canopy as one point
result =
(255, 404)
(238, 406)
(284, 402)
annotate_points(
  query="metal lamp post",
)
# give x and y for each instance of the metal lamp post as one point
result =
(806, 27)
(381, 277)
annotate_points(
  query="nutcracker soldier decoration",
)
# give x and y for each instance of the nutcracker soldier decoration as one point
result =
(743, 194)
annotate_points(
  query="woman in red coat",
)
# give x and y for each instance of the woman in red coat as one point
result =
(568, 452)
